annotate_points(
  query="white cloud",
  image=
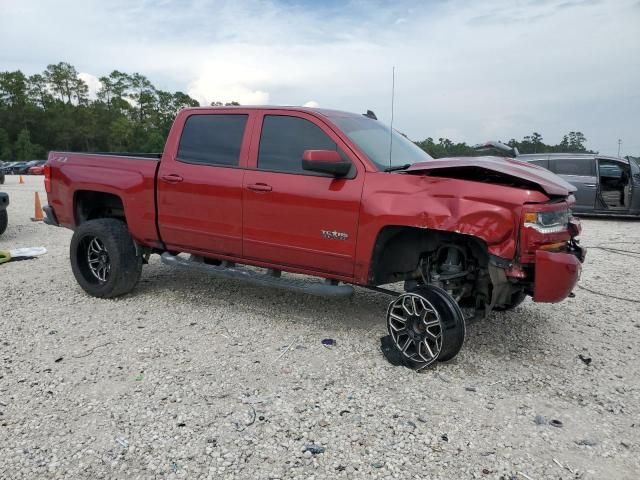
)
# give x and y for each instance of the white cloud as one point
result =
(92, 82)
(468, 70)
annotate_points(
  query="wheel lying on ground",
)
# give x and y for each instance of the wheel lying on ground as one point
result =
(516, 299)
(103, 258)
(425, 325)
(4, 221)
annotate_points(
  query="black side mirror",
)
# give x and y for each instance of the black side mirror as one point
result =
(325, 161)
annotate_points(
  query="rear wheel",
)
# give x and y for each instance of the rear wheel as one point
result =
(4, 221)
(425, 325)
(103, 258)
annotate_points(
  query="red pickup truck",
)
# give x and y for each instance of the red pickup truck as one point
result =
(329, 194)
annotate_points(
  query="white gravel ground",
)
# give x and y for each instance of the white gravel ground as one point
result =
(191, 377)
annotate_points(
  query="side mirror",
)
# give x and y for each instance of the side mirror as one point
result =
(325, 161)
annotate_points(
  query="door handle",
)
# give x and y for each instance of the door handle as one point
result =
(590, 185)
(259, 187)
(171, 178)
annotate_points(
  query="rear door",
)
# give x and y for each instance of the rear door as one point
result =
(294, 217)
(199, 186)
(580, 172)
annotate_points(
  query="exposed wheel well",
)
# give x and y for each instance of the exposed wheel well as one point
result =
(399, 249)
(90, 205)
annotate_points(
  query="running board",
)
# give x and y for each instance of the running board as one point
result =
(270, 279)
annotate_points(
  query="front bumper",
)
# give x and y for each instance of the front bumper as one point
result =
(556, 274)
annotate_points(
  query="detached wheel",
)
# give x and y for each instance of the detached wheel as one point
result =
(4, 221)
(425, 325)
(103, 258)
(516, 299)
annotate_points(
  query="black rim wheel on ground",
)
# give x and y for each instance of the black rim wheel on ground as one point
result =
(426, 325)
(104, 259)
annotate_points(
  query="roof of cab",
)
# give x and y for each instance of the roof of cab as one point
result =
(327, 112)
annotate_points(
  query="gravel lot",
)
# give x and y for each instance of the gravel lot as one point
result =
(191, 377)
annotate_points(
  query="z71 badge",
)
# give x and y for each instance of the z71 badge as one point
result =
(333, 235)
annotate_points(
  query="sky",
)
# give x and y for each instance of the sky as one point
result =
(466, 70)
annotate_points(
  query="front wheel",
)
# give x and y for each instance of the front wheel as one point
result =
(103, 258)
(425, 325)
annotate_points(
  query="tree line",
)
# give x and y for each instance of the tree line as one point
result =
(52, 110)
(572, 142)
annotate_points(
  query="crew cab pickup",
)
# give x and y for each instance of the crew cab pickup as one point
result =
(328, 194)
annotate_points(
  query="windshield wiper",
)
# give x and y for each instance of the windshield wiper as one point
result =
(397, 167)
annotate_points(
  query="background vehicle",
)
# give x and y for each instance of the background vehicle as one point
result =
(4, 217)
(325, 193)
(38, 168)
(2, 164)
(11, 168)
(24, 169)
(605, 185)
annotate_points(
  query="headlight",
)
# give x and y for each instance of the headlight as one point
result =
(548, 222)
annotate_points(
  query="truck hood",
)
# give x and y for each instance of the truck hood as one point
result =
(498, 170)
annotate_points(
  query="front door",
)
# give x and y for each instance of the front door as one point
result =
(200, 185)
(293, 217)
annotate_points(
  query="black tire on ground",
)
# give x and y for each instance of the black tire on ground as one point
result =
(426, 325)
(516, 299)
(103, 258)
(4, 221)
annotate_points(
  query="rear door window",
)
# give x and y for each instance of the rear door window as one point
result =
(574, 166)
(212, 139)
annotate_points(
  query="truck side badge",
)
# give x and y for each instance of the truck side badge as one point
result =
(333, 235)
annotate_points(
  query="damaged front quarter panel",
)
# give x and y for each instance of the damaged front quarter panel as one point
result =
(483, 210)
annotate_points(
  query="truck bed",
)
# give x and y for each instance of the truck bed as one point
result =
(129, 176)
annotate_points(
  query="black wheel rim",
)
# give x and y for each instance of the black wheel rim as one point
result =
(415, 328)
(96, 259)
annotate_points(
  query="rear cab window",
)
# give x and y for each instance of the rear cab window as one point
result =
(212, 139)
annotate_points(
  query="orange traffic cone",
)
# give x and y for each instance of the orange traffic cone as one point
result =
(38, 217)
(21, 181)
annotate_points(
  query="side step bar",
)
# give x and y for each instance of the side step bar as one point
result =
(270, 279)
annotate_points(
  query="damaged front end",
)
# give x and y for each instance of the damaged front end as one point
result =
(548, 258)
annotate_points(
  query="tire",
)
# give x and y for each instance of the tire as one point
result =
(103, 258)
(4, 221)
(433, 328)
(516, 299)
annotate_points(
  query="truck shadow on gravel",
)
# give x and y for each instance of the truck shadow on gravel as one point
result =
(501, 333)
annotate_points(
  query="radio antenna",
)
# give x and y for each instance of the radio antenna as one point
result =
(393, 92)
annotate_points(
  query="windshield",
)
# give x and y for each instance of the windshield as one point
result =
(375, 140)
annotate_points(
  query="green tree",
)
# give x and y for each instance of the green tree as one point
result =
(25, 150)
(13, 89)
(38, 90)
(5, 145)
